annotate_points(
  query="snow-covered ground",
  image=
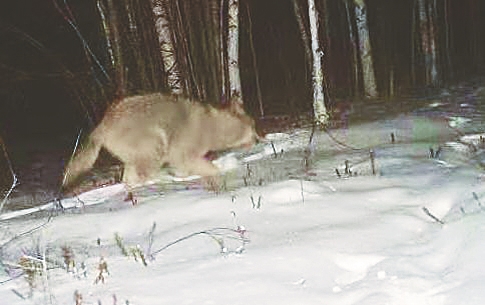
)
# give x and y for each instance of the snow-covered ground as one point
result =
(293, 231)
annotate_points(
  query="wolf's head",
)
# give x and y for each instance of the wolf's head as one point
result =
(232, 127)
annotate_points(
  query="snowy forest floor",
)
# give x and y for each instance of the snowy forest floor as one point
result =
(346, 216)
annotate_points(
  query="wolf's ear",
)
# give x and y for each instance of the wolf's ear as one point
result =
(235, 106)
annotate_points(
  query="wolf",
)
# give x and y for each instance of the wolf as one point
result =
(147, 132)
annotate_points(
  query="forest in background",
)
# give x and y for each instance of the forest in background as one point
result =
(62, 62)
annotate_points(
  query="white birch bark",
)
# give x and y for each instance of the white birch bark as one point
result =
(167, 49)
(370, 87)
(233, 51)
(222, 54)
(319, 110)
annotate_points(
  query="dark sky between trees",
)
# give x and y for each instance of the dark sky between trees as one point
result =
(45, 68)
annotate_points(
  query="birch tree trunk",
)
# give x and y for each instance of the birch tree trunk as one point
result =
(109, 16)
(447, 39)
(303, 32)
(131, 39)
(233, 51)
(255, 64)
(167, 50)
(353, 46)
(426, 17)
(432, 42)
(369, 79)
(319, 110)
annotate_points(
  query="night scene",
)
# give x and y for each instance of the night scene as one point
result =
(242, 152)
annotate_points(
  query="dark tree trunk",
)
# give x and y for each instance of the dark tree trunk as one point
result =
(135, 60)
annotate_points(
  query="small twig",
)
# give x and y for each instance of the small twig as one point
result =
(45, 275)
(475, 196)
(120, 244)
(25, 233)
(312, 134)
(435, 154)
(275, 154)
(347, 170)
(372, 155)
(72, 155)
(255, 205)
(12, 278)
(78, 298)
(14, 182)
(337, 172)
(309, 149)
(17, 293)
(427, 212)
(344, 145)
(151, 237)
(80, 200)
(212, 233)
(217, 234)
(301, 189)
(103, 269)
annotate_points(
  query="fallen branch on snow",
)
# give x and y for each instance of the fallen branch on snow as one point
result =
(427, 212)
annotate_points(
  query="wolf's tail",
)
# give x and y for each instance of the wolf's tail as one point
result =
(82, 161)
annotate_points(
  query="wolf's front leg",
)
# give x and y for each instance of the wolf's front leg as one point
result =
(201, 167)
(211, 179)
(140, 171)
(130, 176)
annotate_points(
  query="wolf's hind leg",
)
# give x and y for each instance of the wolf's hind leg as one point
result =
(145, 162)
(81, 162)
